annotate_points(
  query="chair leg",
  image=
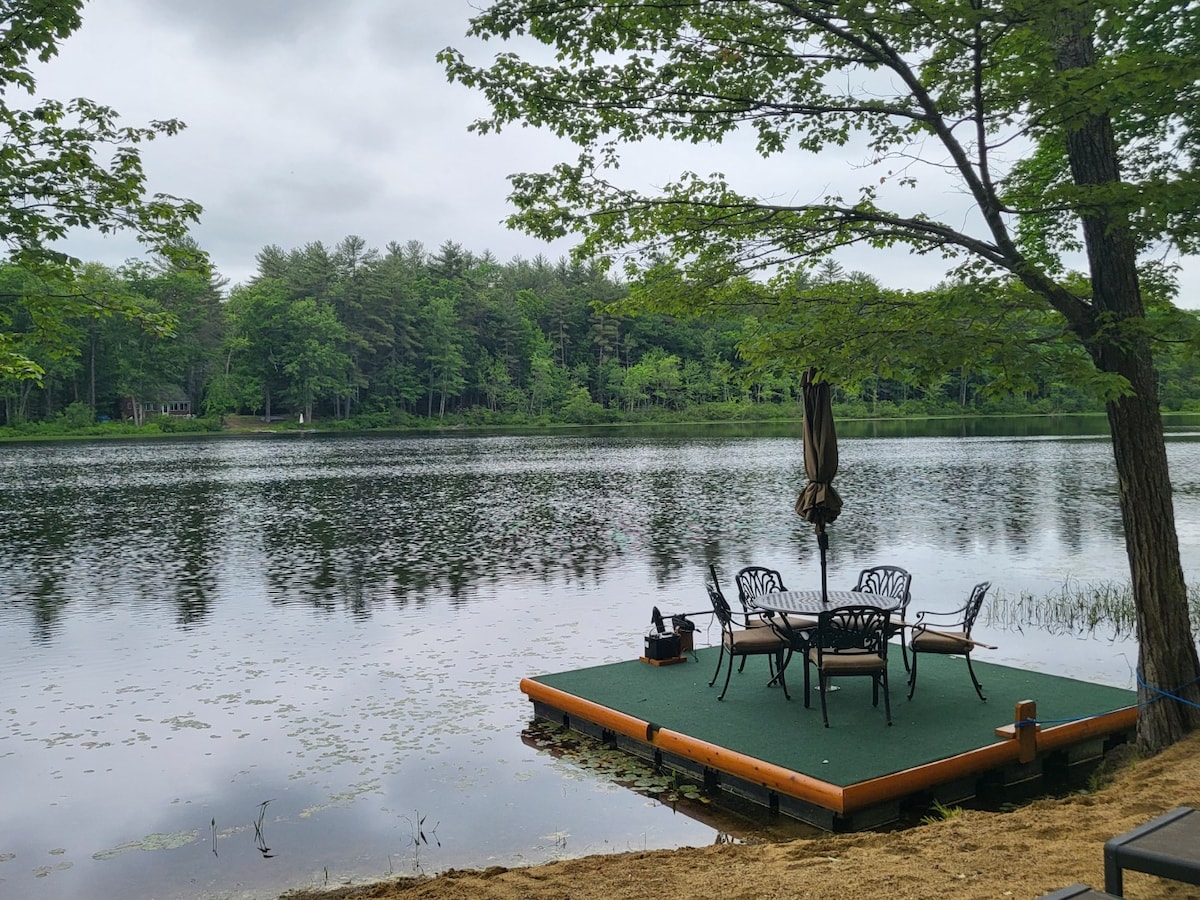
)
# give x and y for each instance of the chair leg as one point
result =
(821, 684)
(887, 697)
(807, 705)
(720, 659)
(774, 676)
(912, 676)
(781, 665)
(974, 680)
(787, 658)
(899, 632)
(728, 672)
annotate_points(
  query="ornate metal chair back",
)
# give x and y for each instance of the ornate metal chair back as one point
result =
(720, 605)
(853, 628)
(754, 581)
(889, 581)
(974, 605)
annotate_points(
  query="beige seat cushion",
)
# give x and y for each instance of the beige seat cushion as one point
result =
(797, 623)
(950, 642)
(755, 640)
(848, 663)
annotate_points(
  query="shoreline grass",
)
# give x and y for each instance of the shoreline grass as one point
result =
(1077, 607)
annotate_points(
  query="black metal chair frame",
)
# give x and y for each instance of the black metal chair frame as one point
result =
(850, 634)
(945, 628)
(754, 641)
(890, 581)
(753, 581)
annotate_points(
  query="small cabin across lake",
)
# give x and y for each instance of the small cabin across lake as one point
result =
(140, 410)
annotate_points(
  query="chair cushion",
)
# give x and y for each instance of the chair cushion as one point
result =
(755, 640)
(848, 662)
(950, 642)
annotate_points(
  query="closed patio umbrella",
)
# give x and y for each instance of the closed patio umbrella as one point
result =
(818, 502)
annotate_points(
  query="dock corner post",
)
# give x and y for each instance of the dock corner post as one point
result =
(1025, 718)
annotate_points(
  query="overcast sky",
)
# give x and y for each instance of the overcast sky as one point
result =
(310, 120)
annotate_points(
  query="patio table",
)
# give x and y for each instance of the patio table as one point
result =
(1167, 846)
(811, 603)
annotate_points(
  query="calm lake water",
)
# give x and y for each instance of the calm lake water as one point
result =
(233, 666)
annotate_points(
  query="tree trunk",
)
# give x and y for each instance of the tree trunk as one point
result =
(91, 397)
(1167, 660)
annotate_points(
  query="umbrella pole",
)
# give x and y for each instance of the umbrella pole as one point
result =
(823, 544)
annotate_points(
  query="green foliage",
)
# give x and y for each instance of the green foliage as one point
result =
(68, 165)
(74, 425)
(987, 96)
(581, 409)
(183, 425)
(540, 344)
(77, 416)
(941, 813)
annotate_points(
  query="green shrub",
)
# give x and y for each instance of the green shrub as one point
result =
(181, 424)
(77, 416)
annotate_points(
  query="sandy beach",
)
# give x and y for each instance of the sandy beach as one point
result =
(1024, 853)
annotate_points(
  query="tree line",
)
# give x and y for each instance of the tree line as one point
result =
(405, 336)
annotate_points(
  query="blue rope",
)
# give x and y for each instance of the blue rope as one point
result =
(1025, 723)
(1158, 692)
(1161, 694)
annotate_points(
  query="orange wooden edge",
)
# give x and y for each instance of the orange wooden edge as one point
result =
(1094, 726)
(610, 719)
(770, 776)
(901, 784)
(828, 796)
(911, 781)
(773, 777)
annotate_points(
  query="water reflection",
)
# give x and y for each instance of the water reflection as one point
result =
(353, 524)
(340, 624)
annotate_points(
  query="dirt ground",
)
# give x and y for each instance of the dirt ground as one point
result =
(1024, 853)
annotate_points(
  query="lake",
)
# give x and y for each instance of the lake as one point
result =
(231, 666)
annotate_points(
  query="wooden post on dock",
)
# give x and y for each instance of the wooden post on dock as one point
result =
(1026, 712)
(1024, 730)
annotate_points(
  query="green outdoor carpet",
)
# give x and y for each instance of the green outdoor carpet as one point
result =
(944, 718)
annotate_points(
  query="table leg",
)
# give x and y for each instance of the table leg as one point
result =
(1113, 876)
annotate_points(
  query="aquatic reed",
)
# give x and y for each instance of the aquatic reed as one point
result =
(1076, 608)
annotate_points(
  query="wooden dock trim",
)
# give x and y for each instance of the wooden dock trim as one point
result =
(1018, 744)
(630, 726)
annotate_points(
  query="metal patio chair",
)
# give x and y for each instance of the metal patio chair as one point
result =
(754, 581)
(947, 633)
(744, 642)
(890, 581)
(850, 640)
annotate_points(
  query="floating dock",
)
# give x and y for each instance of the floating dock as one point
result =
(944, 746)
